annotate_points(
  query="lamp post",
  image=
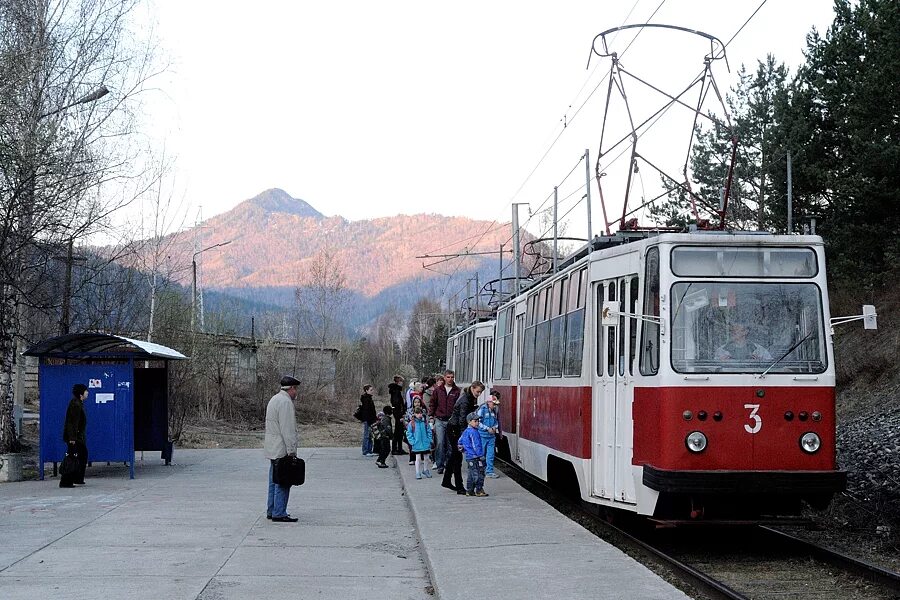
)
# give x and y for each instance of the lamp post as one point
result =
(194, 288)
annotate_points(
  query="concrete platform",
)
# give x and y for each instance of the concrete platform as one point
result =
(513, 545)
(197, 530)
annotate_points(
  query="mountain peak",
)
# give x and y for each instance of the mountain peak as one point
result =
(276, 200)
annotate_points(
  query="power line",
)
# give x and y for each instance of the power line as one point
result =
(761, 4)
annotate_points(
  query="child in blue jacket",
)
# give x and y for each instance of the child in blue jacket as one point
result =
(418, 432)
(470, 445)
(489, 427)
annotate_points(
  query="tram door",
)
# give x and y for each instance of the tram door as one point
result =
(612, 449)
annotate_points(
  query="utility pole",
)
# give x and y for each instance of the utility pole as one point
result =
(69, 259)
(761, 210)
(196, 293)
(587, 172)
(516, 247)
(555, 228)
(790, 197)
(500, 274)
(477, 294)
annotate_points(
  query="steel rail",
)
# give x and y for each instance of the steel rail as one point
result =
(864, 569)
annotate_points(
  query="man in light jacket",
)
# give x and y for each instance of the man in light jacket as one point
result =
(281, 440)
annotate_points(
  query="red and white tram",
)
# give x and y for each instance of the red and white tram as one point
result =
(678, 376)
(470, 353)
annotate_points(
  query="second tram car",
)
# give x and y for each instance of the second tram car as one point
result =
(678, 376)
(470, 354)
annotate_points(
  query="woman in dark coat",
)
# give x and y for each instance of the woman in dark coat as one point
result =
(74, 435)
(466, 403)
(368, 417)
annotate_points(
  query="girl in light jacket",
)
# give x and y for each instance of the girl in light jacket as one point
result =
(418, 432)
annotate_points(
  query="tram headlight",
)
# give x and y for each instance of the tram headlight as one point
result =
(695, 441)
(810, 442)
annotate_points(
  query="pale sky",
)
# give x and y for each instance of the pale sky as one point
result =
(368, 109)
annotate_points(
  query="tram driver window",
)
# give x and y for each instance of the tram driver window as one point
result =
(720, 327)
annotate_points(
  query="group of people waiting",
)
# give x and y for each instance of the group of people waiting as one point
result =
(439, 423)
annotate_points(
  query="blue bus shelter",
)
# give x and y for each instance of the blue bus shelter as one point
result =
(127, 406)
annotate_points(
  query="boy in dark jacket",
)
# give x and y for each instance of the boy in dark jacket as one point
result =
(470, 443)
(383, 432)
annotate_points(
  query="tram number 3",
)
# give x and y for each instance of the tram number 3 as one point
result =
(757, 420)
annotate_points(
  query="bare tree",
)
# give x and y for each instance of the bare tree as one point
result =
(64, 145)
(321, 299)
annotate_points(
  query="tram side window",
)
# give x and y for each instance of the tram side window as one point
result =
(503, 344)
(500, 336)
(632, 333)
(575, 324)
(528, 342)
(557, 330)
(611, 335)
(649, 330)
(542, 334)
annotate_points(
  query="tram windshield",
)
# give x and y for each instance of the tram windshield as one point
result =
(720, 327)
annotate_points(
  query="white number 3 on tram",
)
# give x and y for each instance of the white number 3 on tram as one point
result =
(757, 420)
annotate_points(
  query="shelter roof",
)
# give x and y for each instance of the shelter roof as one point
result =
(102, 343)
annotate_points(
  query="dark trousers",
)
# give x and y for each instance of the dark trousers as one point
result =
(78, 476)
(454, 463)
(383, 446)
(399, 435)
(476, 475)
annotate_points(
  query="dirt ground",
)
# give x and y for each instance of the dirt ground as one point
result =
(219, 434)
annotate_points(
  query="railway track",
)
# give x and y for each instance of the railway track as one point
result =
(749, 562)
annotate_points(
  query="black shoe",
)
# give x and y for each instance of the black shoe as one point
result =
(470, 494)
(381, 465)
(440, 471)
(448, 486)
(287, 519)
(79, 483)
(269, 517)
(66, 485)
(462, 492)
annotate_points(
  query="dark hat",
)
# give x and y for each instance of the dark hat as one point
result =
(472, 416)
(288, 381)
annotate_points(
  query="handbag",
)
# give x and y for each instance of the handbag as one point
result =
(357, 414)
(69, 465)
(289, 470)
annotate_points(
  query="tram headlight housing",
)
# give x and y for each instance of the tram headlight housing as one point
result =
(695, 441)
(810, 442)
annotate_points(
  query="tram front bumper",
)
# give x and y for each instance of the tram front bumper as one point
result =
(744, 482)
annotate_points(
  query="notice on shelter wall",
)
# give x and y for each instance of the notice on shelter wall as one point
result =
(94, 383)
(104, 398)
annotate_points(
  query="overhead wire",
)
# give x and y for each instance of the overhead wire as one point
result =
(568, 121)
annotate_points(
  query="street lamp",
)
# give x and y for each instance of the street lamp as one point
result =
(194, 284)
(86, 99)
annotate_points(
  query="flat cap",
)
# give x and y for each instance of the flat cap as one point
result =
(288, 381)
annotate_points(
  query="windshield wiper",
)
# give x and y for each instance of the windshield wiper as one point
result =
(791, 349)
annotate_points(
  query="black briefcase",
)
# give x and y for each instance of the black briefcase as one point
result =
(289, 470)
